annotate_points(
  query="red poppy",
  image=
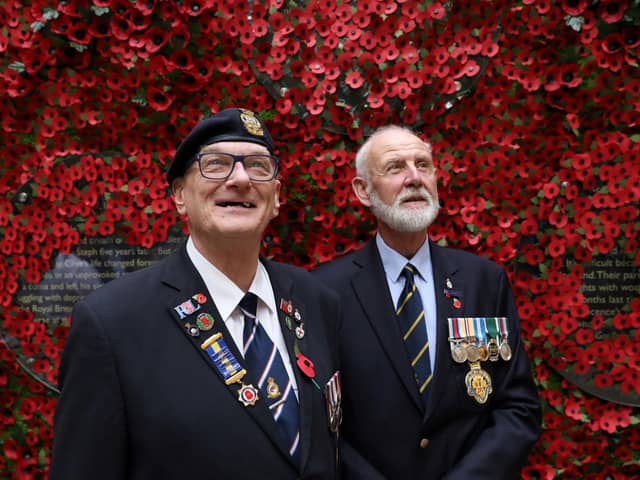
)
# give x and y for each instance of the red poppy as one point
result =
(305, 365)
(612, 11)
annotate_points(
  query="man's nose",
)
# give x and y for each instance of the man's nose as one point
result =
(412, 175)
(239, 173)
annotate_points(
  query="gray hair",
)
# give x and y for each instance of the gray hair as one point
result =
(362, 155)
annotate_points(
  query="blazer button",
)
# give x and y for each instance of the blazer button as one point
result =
(424, 443)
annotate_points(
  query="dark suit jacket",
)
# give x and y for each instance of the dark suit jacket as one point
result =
(384, 420)
(141, 400)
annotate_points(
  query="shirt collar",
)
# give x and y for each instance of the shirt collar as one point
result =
(225, 293)
(393, 262)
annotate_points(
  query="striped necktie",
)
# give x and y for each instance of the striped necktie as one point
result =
(414, 330)
(265, 363)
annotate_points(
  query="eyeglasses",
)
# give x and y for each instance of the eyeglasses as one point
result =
(218, 166)
(398, 168)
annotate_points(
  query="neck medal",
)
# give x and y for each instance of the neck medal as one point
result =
(478, 383)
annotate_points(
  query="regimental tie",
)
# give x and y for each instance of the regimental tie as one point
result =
(414, 331)
(265, 363)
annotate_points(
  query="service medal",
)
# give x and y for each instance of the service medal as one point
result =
(473, 355)
(505, 351)
(333, 396)
(456, 339)
(483, 353)
(481, 335)
(494, 353)
(478, 383)
(458, 352)
(223, 359)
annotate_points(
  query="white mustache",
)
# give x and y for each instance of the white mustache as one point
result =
(413, 194)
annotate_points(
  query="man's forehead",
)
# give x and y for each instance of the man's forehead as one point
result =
(402, 148)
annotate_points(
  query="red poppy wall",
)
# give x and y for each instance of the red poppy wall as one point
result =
(533, 108)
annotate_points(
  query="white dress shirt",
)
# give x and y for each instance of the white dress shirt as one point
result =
(227, 295)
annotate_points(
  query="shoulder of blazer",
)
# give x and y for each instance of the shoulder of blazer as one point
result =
(348, 263)
(287, 277)
(171, 271)
(452, 259)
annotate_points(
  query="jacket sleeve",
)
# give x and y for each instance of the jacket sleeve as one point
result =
(90, 438)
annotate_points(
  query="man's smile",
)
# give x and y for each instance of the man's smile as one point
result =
(236, 204)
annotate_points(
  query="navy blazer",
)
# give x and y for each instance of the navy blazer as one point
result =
(455, 437)
(141, 400)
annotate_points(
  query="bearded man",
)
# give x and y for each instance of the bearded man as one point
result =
(436, 382)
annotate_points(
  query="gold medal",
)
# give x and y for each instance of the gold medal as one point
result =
(478, 383)
(473, 355)
(483, 353)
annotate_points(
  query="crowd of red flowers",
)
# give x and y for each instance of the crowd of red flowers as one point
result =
(533, 109)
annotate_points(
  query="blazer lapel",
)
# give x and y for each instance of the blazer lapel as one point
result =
(445, 282)
(371, 288)
(191, 300)
(285, 294)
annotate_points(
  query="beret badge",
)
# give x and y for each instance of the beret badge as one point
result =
(251, 123)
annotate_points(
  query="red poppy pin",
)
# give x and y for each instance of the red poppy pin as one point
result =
(306, 366)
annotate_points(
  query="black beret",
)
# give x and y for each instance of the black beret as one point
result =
(229, 125)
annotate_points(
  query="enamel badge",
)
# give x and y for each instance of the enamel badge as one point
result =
(248, 395)
(190, 305)
(273, 390)
(204, 321)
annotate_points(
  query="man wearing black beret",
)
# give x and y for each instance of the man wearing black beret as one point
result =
(215, 362)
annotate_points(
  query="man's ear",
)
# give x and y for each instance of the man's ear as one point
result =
(276, 199)
(359, 186)
(177, 188)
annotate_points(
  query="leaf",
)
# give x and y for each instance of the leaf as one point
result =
(17, 66)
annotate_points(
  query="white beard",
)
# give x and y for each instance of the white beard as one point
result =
(405, 219)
